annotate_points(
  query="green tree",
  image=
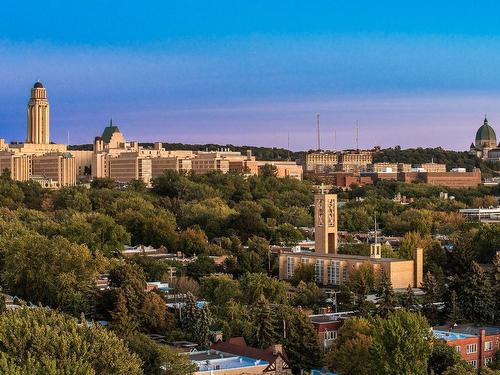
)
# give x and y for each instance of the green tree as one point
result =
(308, 295)
(122, 323)
(476, 296)
(300, 339)
(155, 317)
(409, 300)
(53, 272)
(288, 235)
(303, 272)
(385, 296)
(353, 341)
(202, 266)
(409, 244)
(442, 358)
(432, 296)
(218, 289)
(49, 339)
(454, 314)
(264, 324)
(192, 241)
(159, 359)
(201, 328)
(253, 285)
(402, 344)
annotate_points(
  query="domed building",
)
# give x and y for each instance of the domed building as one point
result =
(485, 141)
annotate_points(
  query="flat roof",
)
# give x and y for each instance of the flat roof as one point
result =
(344, 256)
(213, 360)
(470, 329)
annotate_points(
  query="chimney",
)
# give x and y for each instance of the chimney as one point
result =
(277, 349)
(218, 336)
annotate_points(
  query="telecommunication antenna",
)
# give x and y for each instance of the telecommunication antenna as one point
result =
(334, 140)
(288, 146)
(317, 123)
(357, 135)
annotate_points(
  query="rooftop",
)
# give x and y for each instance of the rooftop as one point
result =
(211, 360)
(469, 329)
(450, 336)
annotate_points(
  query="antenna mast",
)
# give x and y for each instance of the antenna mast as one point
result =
(288, 146)
(334, 140)
(317, 123)
(357, 135)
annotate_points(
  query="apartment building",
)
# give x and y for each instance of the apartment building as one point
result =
(475, 344)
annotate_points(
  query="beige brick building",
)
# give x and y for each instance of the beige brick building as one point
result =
(58, 167)
(333, 269)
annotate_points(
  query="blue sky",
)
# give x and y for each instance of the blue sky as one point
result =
(250, 72)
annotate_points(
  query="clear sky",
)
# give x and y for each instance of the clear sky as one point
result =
(412, 73)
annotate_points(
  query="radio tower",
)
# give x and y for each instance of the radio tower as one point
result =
(288, 146)
(317, 123)
(357, 135)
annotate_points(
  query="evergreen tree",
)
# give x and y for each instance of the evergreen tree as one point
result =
(496, 281)
(189, 315)
(264, 323)
(476, 296)
(385, 296)
(409, 300)
(432, 295)
(202, 327)
(454, 314)
(3, 305)
(122, 323)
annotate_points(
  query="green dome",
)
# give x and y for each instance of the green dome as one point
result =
(486, 133)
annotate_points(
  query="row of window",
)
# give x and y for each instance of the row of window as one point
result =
(487, 361)
(472, 348)
(333, 271)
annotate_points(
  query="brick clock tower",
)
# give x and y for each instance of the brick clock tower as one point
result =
(38, 116)
(325, 223)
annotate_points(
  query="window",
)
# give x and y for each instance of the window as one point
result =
(318, 271)
(471, 348)
(458, 348)
(488, 346)
(334, 272)
(289, 267)
(330, 335)
(473, 363)
(345, 273)
(488, 360)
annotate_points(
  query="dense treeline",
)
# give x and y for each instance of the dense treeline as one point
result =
(55, 244)
(452, 159)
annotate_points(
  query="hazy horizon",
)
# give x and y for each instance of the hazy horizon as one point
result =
(251, 73)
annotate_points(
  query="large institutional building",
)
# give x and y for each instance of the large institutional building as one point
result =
(333, 269)
(485, 145)
(54, 166)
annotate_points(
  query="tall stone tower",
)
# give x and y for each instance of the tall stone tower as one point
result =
(325, 223)
(38, 115)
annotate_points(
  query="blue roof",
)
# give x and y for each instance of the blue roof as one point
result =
(225, 363)
(450, 336)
